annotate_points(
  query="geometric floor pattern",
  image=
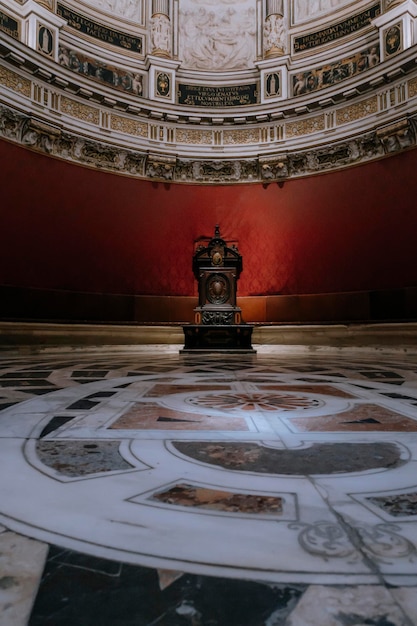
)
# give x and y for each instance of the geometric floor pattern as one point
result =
(144, 487)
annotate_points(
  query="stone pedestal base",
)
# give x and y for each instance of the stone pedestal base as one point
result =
(230, 338)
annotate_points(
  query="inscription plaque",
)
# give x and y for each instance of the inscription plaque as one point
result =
(224, 96)
(98, 31)
(9, 25)
(336, 31)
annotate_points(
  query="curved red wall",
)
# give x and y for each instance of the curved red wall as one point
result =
(68, 227)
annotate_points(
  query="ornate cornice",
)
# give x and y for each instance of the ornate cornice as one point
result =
(27, 131)
(49, 109)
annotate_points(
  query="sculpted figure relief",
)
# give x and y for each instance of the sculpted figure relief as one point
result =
(274, 35)
(161, 34)
(304, 9)
(217, 34)
(128, 9)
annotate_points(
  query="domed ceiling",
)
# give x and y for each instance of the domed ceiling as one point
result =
(210, 91)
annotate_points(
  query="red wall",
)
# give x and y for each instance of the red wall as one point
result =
(68, 227)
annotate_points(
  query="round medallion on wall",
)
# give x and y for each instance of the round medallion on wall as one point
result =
(218, 289)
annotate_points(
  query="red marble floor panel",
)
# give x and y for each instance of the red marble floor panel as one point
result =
(364, 417)
(214, 499)
(153, 417)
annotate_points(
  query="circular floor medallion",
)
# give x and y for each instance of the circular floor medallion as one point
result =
(265, 401)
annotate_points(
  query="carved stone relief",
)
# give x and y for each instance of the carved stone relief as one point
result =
(160, 168)
(273, 169)
(11, 123)
(127, 9)
(310, 9)
(161, 35)
(274, 36)
(399, 136)
(46, 138)
(217, 34)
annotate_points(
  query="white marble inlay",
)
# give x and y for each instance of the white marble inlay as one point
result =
(328, 531)
(310, 9)
(21, 565)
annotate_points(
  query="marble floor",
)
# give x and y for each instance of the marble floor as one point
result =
(143, 487)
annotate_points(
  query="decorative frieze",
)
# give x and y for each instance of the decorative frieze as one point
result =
(357, 110)
(334, 73)
(52, 140)
(159, 167)
(398, 136)
(191, 136)
(100, 155)
(39, 136)
(129, 126)
(412, 87)
(273, 168)
(11, 124)
(13, 81)
(134, 164)
(225, 171)
(124, 80)
(80, 111)
(244, 136)
(305, 127)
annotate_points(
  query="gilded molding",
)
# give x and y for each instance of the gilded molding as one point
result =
(190, 136)
(80, 111)
(128, 126)
(13, 81)
(305, 127)
(49, 139)
(412, 87)
(357, 111)
(236, 137)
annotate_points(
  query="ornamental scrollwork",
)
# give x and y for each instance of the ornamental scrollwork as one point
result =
(43, 137)
(216, 318)
(330, 539)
